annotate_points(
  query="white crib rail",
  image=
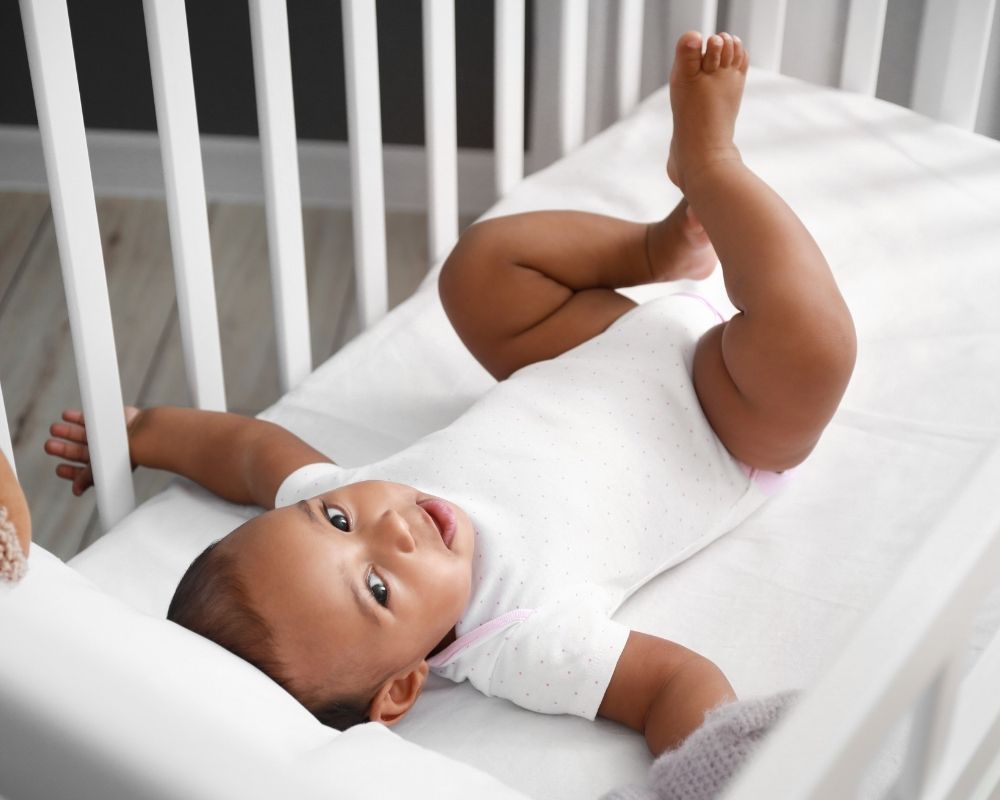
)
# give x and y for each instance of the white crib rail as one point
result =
(440, 127)
(286, 249)
(909, 651)
(60, 120)
(951, 59)
(572, 74)
(364, 123)
(863, 46)
(6, 447)
(974, 744)
(629, 72)
(508, 98)
(764, 35)
(177, 123)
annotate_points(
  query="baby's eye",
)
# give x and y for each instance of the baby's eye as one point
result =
(337, 517)
(378, 588)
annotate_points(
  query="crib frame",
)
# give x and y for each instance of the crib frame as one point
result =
(953, 748)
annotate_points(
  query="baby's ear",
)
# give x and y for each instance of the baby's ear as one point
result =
(398, 694)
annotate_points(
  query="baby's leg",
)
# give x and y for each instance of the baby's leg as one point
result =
(527, 287)
(770, 379)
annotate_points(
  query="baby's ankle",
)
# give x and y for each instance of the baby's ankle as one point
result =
(705, 161)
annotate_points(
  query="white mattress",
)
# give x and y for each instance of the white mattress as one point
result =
(907, 212)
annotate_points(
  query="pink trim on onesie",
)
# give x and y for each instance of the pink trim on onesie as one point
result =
(476, 635)
(703, 299)
(770, 483)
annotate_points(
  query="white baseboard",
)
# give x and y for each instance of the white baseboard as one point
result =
(129, 165)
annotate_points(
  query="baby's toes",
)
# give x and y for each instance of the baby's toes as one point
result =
(726, 58)
(741, 58)
(687, 60)
(713, 54)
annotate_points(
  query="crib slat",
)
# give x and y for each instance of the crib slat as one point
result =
(975, 741)
(60, 121)
(440, 126)
(951, 59)
(708, 15)
(5, 444)
(630, 16)
(863, 46)
(177, 123)
(364, 123)
(698, 15)
(286, 250)
(932, 724)
(508, 97)
(601, 76)
(765, 32)
(572, 74)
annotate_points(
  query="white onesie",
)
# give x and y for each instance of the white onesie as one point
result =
(584, 476)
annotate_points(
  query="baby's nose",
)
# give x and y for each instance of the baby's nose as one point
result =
(396, 531)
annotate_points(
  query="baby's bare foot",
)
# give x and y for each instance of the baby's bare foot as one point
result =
(705, 94)
(679, 247)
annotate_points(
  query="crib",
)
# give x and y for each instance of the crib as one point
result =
(873, 584)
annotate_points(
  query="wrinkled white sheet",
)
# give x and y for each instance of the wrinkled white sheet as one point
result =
(907, 212)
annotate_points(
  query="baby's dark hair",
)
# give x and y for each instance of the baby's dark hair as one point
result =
(212, 601)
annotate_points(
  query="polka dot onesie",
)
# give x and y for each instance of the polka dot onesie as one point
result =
(585, 476)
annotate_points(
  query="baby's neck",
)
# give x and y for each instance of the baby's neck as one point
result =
(449, 637)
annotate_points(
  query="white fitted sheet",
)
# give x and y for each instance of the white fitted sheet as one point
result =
(907, 212)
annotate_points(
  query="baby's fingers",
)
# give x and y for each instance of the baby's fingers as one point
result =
(69, 450)
(82, 477)
(74, 415)
(73, 431)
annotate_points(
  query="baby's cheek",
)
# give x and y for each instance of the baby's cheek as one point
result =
(452, 587)
(466, 588)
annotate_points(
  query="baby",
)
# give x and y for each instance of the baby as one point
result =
(620, 439)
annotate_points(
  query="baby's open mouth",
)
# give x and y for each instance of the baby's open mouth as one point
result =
(443, 517)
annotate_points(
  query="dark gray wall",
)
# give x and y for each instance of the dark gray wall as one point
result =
(113, 65)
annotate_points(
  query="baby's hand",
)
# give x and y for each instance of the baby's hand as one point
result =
(70, 442)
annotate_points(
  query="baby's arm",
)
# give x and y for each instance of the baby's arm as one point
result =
(241, 459)
(663, 690)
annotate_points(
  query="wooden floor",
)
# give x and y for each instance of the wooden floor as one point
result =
(37, 369)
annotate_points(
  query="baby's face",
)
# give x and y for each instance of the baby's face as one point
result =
(365, 579)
